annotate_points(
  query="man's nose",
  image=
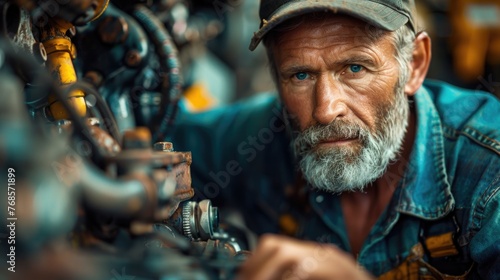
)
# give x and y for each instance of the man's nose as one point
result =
(330, 101)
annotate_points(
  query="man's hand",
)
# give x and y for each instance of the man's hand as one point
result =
(279, 257)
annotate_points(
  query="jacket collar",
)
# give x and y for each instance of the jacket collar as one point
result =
(425, 189)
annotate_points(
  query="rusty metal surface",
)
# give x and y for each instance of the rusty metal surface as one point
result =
(182, 173)
(19, 20)
(182, 192)
(104, 139)
(172, 165)
(158, 159)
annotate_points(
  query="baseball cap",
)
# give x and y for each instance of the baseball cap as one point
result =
(386, 14)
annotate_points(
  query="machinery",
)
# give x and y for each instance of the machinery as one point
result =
(89, 90)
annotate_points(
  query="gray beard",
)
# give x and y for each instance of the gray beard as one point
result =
(351, 168)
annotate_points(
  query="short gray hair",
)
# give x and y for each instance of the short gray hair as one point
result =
(404, 44)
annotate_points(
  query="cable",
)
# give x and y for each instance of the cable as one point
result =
(171, 80)
(109, 119)
(24, 66)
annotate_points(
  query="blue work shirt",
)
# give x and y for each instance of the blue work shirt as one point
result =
(242, 158)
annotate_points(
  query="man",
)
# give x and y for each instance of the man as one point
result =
(397, 178)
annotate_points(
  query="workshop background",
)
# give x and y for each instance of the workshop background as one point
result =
(89, 90)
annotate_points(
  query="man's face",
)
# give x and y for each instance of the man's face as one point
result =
(341, 87)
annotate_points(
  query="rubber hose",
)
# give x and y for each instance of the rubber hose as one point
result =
(171, 80)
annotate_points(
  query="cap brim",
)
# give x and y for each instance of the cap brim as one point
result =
(373, 13)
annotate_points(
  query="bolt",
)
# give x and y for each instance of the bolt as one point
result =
(39, 52)
(113, 30)
(133, 58)
(94, 77)
(163, 147)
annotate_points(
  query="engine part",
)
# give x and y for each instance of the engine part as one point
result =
(196, 221)
(60, 64)
(88, 190)
(200, 220)
(170, 84)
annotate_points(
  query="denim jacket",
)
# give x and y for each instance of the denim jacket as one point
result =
(242, 159)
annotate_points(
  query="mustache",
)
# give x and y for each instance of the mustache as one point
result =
(334, 131)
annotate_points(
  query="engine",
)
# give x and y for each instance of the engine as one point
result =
(89, 90)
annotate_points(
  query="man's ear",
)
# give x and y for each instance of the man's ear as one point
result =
(421, 58)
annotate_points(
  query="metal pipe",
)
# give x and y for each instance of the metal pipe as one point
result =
(130, 198)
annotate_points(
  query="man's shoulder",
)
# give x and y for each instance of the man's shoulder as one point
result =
(470, 113)
(260, 104)
(470, 122)
(229, 124)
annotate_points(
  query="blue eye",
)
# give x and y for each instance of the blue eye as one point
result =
(355, 68)
(301, 76)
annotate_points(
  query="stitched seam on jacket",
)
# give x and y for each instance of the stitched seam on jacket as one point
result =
(478, 210)
(473, 134)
